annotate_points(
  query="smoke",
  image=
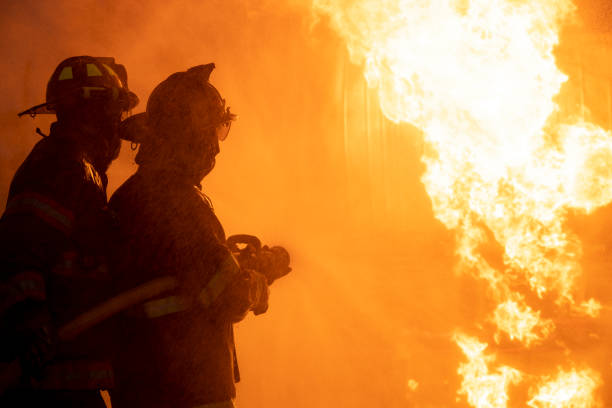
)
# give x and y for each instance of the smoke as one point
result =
(365, 319)
(328, 338)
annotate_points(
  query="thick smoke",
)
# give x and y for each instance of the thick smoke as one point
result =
(366, 317)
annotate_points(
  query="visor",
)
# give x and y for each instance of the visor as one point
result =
(222, 130)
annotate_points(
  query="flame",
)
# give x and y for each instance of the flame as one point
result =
(521, 322)
(591, 307)
(503, 168)
(483, 388)
(570, 389)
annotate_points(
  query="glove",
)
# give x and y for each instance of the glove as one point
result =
(248, 292)
(38, 349)
(260, 293)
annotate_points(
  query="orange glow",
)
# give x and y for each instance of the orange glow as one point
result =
(366, 317)
(503, 169)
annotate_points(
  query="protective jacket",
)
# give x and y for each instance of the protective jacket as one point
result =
(54, 237)
(178, 349)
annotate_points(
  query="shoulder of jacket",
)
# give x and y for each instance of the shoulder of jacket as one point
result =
(54, 156)
(54, 167)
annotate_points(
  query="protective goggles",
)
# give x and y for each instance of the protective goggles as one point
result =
(222, 129)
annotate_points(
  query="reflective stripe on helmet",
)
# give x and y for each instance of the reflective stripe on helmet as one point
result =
(93, 70)
(43, 208)
(23, 286)
(75, 73)
(65, 74)
(90, 91)
(113, 74)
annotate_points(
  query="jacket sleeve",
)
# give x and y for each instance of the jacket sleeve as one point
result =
(35, 240)
(31, 244)
(212, 275)
(232, 291)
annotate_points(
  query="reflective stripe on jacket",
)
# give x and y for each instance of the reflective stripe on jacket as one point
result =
(78, 375)
(226, 273)
(43, 207)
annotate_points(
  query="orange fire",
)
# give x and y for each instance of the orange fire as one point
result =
(568, 389)
(483, 388)
(521, 322)
(478, 78)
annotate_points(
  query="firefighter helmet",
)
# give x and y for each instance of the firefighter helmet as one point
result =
(188, 99)
(83, 78)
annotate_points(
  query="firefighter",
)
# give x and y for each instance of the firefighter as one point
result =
(54, 237)
(178, 349)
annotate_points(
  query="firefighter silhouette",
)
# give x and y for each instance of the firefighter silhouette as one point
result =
(54, 238)
(184, 337)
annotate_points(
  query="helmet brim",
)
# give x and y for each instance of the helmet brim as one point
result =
(42, 109)
(134, 129)
(132, 100)
(46, 108)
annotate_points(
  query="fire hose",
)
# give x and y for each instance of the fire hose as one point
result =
(10, 373)
(272, 262)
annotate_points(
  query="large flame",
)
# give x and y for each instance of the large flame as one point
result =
(483, 388)
(479, 78)
(569, 389)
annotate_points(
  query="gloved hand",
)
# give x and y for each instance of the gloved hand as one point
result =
(38, 348)
(248, 292)
(260, 293)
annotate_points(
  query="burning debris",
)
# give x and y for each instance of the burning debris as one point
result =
(504, 167)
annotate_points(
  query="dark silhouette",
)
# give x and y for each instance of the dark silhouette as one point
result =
(178, 348)
(54, 242)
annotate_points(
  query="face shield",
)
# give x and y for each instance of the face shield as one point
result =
(222, 128)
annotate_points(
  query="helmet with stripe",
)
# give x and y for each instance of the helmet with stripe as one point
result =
(83, 78)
